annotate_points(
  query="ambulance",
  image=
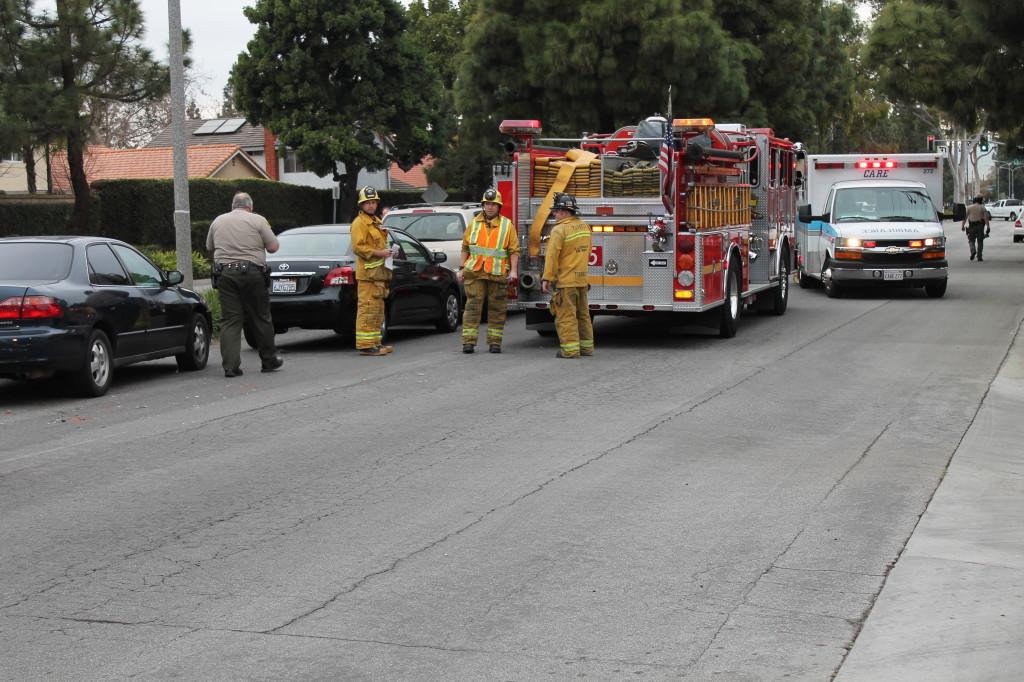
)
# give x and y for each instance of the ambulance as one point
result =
(871, 219)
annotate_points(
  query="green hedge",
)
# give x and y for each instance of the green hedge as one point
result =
(34, 217)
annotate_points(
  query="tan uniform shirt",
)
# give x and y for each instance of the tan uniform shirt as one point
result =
(975, 213)
(568, 254)
(367, 237)
(239, 235)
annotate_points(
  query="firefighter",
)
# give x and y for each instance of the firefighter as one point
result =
(490, 264)
(565, 272)
(370, 244)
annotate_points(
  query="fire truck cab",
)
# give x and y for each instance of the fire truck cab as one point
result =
(687, 216)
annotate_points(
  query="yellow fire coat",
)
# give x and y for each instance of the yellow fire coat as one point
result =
(568, 253)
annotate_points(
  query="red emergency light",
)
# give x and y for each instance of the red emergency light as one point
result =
(516, 126)
(876, 164)
(829, 165)
(922, 164)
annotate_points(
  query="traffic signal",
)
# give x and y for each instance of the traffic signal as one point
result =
(983, 144)
(931, 143)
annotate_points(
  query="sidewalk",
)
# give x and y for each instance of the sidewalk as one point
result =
(953, 606)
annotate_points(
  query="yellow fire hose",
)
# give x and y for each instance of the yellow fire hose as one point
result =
(575, 158)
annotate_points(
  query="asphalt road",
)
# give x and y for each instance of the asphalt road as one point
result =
(677, 507)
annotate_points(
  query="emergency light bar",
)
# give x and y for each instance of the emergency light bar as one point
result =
(922, 164)
(876, 164)
(692, 123)
(821, 165)
(517, 126)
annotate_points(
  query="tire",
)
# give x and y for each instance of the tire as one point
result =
(450, 313)
(805, 281)
(733, 304)
(1017, 239)
(832, 288)
(780, 299)
(1013, 216)
(197, 345)
(936, 289)
(546, 333)
(93, 379)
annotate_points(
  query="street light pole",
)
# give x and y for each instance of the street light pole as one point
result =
(182, 220)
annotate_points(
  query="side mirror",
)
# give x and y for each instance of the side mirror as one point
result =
(804, 213)
(174, 277)
(440, 256)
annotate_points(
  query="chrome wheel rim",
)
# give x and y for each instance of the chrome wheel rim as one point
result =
(199, 345)
(734, 298)
(452, 310)
(99, 363)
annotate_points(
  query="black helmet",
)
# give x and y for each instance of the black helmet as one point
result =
(565, 202)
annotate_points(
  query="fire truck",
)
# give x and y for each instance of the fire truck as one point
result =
(687, 216)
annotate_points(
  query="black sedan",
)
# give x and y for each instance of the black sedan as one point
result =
(313, 284)
(82, 306)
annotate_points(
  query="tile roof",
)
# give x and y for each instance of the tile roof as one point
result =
(249, 137)
(103, 163)
(414, 178)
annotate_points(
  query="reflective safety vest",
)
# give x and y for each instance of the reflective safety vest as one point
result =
(487, 250)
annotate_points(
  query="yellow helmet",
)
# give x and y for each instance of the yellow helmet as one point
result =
(367, 193)
(492, 195)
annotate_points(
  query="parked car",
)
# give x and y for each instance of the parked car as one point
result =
(439, 226)
(83, 306)
(1007, 209)
(1018, 231)
(313, 285)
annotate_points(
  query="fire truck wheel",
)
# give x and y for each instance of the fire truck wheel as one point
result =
(780, 299)
(733, 304)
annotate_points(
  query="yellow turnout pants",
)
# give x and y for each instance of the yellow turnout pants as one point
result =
(369, 312)
(572, 321)
(495, 295)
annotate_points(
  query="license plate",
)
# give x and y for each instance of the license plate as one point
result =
(282, 286)
(892, 275)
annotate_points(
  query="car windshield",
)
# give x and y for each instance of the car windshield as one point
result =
(428, 227)
(314, 244)
(882, 204)
(20, 261)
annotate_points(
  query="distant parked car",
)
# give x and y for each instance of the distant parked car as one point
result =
(1018, 231)
(313, 284)
(439, 226)
(83, 306)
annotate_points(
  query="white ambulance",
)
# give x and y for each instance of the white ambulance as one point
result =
(871, 219)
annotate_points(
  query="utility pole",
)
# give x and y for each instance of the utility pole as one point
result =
(182, 219)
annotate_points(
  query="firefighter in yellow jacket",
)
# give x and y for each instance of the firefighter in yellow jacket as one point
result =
(490, 264)
(370, 244)
(565, 273)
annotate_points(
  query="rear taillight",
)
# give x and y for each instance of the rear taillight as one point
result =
(30, 308)
(683, 284)
(340, 277)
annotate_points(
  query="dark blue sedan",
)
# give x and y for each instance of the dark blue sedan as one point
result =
(82, 306)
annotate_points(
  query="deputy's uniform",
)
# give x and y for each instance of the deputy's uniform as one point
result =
(487, 246)
(372, 280)
(238, 241)
(565, 267)
(976, 229)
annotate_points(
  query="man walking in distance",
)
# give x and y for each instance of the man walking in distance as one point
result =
(565, 272)
(977, 227)
(490, 264)
(239, 242)
(370, 243)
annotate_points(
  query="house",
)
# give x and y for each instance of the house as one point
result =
(262, 146)
(220, 161)
(13, 177)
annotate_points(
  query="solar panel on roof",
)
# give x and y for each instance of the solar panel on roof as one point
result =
(230, 126)
(209, 127)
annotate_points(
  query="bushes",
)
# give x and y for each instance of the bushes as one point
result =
(168, 260)
(212, 298)
(31, 217)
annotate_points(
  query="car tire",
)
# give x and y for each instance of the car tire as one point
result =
(197, 345)
(93, 379)
(936, 289)
(546, 333)
(1013, 216)
(450, 312)
(732, 304)
(832, 287)
(806, 282)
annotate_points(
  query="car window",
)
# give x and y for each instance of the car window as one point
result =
(318, 244)
(1013, 202)
(104, 268)
(142, 272)
(429, 227)
(20, 261)
(411, 251)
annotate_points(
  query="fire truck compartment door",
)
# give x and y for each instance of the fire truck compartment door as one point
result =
(712, 277)
(618, 265)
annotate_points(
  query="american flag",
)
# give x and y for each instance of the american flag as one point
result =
(665, 166)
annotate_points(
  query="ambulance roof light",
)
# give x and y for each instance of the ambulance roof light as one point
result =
(516, 126)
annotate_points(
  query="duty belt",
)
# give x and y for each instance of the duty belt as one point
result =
(239, 266)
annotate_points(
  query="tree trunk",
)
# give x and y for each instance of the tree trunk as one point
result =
(49, 169)
(80, 216)
(348, 193)
(28, 156)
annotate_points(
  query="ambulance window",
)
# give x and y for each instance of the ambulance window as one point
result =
(828, 205)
